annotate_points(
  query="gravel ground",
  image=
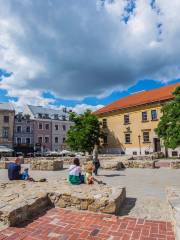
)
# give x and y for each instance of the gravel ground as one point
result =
(146, 196)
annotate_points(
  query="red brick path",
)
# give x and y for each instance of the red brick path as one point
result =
(62, 224)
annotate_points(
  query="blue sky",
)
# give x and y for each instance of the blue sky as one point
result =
(86, 54)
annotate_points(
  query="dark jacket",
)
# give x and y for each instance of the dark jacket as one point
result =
(14, 170)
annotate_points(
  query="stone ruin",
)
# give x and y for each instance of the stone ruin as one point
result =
(173, 196)
(47, 165)
(21, 201)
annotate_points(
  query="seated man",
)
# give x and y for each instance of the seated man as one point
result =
(14, 170)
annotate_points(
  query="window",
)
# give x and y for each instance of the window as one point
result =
(105, 139)
(6, 119)
(146, 136)
(56, 127)
(154, 114)
(126, 119)
(104, 123)
(64, 118)
(134, 153)
(19, 129)
(5, 133)
(47, 126)
(28, 141)
(64, 139)
(64, 127)
(46, 139)
(28, 129)
(56, 116)
(40, 126)
(127, 138)
(40, 140)
(39, 115)
(46, 115)
(18, 140)
(174, 153)
(144, 116)
(56, 139)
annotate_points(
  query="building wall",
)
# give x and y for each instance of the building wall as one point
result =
(116, 130)
(59, 134)
(6, 141)
(24, 134)
(43, 133)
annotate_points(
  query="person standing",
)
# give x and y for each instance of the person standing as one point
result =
(96, 162)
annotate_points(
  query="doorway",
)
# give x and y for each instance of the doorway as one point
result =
(157, 145)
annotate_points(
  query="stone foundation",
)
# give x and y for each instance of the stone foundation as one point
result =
(175, 164)
(173, 196)
(20, 201)
(139, 164)
(111, 165)
(46, 165)
(4, 164)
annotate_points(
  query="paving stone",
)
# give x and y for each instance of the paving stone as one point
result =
(108, 230)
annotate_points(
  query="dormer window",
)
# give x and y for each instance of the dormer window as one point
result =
(39, 115)
(46, 115)
(56, 116)
(64, 118)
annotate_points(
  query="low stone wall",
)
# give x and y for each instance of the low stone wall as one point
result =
(111, 165)
(47, 165)
(4, 164)
(139, 164)
(173, 197)
(175, 164)
(20, 201)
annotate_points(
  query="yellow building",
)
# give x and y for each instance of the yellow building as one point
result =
(6, 124)
(129, 123)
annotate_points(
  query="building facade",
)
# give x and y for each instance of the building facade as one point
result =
(7, 113)
(23, 134)
(129, 123)
(50, 127)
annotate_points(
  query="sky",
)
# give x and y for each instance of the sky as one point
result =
(86, 53)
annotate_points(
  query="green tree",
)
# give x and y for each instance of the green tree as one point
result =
(85, 132)
(169, 126)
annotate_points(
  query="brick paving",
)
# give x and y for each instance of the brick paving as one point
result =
(63, 224)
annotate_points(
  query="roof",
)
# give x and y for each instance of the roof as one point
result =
(141, 98)
(41, 110)
(6, 106)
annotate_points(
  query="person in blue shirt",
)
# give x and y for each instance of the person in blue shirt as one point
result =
(14, 170)
(25, 174)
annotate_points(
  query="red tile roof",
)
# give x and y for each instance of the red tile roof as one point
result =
(141, 98)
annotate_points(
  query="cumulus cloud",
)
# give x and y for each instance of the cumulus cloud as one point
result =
(85, 48)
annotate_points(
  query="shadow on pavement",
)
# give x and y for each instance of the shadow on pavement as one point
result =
(128, 204)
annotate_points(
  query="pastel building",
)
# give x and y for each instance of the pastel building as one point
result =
(129, 123)
(7, 113)
(50, 127)
(23, 134)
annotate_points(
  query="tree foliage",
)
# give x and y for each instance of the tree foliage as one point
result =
(85, 133)
(169, 126)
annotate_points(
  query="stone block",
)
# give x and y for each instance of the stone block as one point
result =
(4, 164)
(175, 164)
(46, 165)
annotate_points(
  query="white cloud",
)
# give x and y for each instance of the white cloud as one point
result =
(75, 49)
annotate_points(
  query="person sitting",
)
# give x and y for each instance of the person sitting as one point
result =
(75, 176)
(14, 170)
(88, 175)
(25, 175)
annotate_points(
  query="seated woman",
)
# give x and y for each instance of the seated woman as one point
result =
(75, 176)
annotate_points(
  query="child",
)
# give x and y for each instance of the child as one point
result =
(75, 176)
(25, 175)
(88, 175)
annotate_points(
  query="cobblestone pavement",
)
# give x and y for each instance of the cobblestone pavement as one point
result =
(62, 224)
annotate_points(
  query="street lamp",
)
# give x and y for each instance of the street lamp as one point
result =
(139, 137)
